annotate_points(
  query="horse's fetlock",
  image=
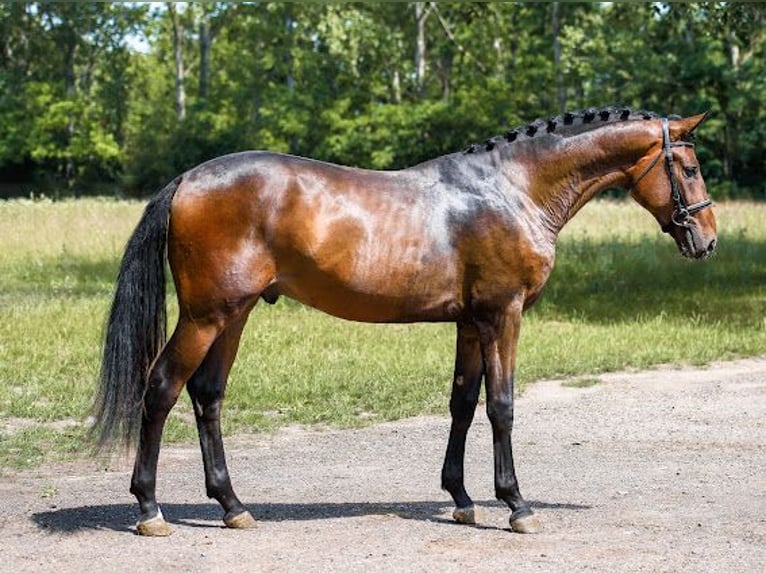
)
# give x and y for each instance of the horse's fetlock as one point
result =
(451, 480)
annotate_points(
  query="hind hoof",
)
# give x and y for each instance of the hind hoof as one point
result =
(241, 520)
(528, 524)
(465, 515)
(154, 527)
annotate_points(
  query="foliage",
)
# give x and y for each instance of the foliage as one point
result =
(620, 296)
(122, 96)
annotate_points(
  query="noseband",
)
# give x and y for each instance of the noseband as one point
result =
(682, 211)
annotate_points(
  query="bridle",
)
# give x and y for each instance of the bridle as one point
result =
(682, 211)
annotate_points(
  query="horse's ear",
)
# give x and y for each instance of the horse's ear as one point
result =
(680, 129)
(697, 120)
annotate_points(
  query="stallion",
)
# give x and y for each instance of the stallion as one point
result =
(467, 238)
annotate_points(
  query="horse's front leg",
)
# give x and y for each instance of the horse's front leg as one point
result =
(499, 336)
(469, 369)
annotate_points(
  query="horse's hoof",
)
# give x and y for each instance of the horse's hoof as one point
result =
(242, 520)
(528, 524)
(154, 527)
(465, 515)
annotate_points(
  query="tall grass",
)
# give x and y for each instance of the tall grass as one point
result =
(619, 297)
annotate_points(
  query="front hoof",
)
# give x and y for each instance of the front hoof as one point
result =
(242, 520)
(465, 515)
(154, 527)
(526, 524)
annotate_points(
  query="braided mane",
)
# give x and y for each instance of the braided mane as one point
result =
(566, 124)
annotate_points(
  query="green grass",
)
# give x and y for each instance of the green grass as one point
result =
(620, 297)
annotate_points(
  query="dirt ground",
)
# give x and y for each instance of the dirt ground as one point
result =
(658, 471)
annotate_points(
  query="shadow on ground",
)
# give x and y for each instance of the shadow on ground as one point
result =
(122, 517)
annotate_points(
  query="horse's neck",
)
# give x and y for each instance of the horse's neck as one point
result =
(577, 169)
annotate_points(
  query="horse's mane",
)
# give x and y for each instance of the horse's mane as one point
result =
(566, 124)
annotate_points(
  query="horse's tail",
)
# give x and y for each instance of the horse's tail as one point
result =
(136, 329)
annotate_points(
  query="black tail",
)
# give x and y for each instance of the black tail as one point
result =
(136, 329)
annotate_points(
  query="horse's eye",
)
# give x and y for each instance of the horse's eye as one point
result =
(690, 170)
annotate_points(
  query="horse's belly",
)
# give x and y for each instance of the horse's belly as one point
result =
(374, 300)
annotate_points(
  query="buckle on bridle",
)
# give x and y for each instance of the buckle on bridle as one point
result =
(681, 217)
(682, 214)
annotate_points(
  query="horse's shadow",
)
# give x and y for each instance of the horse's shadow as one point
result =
(121, 517)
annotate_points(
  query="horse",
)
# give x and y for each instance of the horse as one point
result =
(467, 238)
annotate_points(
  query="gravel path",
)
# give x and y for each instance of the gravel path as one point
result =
(658, 471)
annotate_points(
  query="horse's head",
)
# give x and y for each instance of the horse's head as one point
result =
(667, 181)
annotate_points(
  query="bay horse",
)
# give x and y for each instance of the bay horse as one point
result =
(467, 238)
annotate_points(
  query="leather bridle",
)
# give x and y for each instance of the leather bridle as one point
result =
(682, 211)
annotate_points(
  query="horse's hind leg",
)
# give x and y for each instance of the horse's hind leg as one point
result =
(206, 389)
(176, 363)
(469, 368)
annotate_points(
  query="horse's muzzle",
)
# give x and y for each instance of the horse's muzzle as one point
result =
(708, 251)
(696, 249)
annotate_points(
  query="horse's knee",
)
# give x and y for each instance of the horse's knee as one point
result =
(462, 407)
(207, 409)
(206, 396)
(500, 411)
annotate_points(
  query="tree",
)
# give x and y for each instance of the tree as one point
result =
(380, 85)
(61, 60)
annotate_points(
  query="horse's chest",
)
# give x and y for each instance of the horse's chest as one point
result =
(517, 266)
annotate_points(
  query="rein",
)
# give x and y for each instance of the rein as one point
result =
(682, 211)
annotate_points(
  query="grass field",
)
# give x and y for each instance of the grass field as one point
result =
(620, 297)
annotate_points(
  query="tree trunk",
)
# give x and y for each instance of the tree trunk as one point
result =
(497, 44)
(70, 80)
(290, 65)
(514, 47)
(732, 116)
(445, 75)
(421, 15)
(180, 92)
(396, 86)
(205, 44)
(213, 18)
(560, 87)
